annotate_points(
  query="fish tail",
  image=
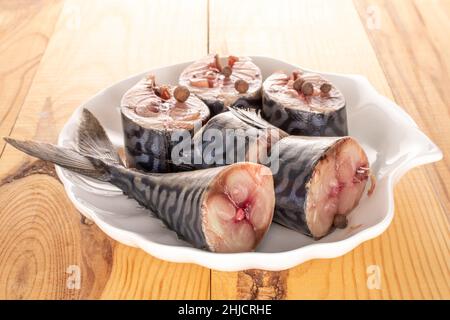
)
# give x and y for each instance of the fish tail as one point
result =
(64, 157)
(93, 141)
(253, 119)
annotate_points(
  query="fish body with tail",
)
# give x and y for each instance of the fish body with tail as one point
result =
(318, 180)
(223, 209)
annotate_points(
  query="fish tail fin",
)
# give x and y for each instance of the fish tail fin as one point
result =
(64, 157)
(253, 119)
(94, 142)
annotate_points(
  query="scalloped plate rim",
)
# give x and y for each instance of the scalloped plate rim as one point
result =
(254, 260)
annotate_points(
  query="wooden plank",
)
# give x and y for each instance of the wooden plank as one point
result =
(93, 45)
(23, 40)
(135, 275)
(413, 52)
(45, 245)
(412, 255)
(314, 34)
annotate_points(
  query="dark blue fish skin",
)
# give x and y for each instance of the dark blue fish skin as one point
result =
(175, 198)
(220, 122)
(146, 149)
(304, 123)
(181, 200)
(229, 126)
(215, 106)
(298, 158)
(147, 141)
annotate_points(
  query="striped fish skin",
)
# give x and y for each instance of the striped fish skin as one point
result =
(318, 114)
(299, 158)
(296, 164)
(297, 161)
(304, 123)
(232, 129)
(187, 203)
(176, 199)
(252, 101)
(146, 149)
(223, 209)
(147, 136)
(302, 158)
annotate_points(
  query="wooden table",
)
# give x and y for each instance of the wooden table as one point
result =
(56, 54)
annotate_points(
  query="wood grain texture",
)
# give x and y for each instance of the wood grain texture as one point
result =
(42, 237)
(317, 34)
(413, 255)
(92, 46)
(414, 53)
(95, 45)
(136, 275)
(23, 40)
(55, 55)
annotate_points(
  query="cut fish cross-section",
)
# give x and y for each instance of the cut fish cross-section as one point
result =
(304, 104)
(221, 83)
(150, 115)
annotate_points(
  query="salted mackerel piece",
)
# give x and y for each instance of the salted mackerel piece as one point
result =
(151, 113)
(225, 139)
(318, 180)
(304, 103)
(223, 209)
(222, 82)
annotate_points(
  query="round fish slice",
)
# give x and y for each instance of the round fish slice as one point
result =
(222, 82)
(304, 104)
(151, 114)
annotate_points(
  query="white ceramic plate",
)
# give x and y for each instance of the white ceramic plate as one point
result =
(390, 137)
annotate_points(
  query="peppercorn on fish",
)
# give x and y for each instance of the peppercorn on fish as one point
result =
(304, 104)
(224, 209)
(318, 180)
(150, 115)
(221, 83)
